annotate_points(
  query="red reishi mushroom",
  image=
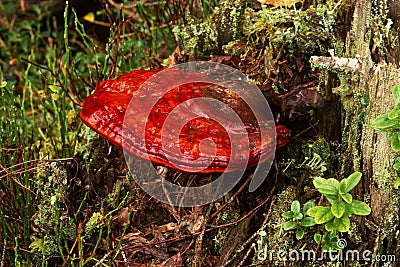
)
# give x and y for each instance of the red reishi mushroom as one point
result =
(105, 110)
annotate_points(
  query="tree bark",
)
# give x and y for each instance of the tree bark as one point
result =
(364, 149)
(365, 94)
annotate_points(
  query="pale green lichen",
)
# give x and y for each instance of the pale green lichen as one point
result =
(383, 35)
(203, 38)
(384, 178)
(316, 157)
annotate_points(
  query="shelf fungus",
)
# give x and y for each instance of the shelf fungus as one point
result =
(197, 127)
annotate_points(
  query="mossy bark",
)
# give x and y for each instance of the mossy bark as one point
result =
(364, 149)
(367, 95)
(364, 94)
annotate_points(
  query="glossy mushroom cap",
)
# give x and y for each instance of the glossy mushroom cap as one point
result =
(199, 136)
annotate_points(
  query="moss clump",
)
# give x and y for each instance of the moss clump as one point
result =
(202, 38)
(50, 217)
(287, 35)
(196, 38)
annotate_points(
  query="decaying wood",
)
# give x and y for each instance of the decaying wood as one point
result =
(363, 148)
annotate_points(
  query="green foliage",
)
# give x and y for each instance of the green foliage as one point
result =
(390, 124)
(328, 241)
(342, 206)
(48, 65)
(335, 217)
(299, 221)
(46, 69)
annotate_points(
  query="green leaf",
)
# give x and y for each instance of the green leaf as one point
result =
(333, 182)
(288, 215)
(329, 226)
(332, 235)
(329, 239)
(360, 208)
(332, 198)
(320, 214)
(307, 222)
(352, 181)
(289, 225)
(342, 224)
(317, 238)
(349, 210)
(391, 135)
(396, 165)
(338, 209)
(295, 207)
(396, 184)
(347, 197)
(393, 114)
(396, 94)
(319, 181)
(326, 186)
(343, 186)
(395, 144)
(313, 210)
(326, 248)
(307, 206)
(383, 123)
(298, 215)
(299, 234)
(328, 190)
(335, 201)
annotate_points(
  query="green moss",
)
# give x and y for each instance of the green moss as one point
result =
(203, 38)
(196, 38)
(294, 33)
(276, 239)
(51, 183)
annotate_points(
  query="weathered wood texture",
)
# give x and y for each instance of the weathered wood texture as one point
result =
(365, 149)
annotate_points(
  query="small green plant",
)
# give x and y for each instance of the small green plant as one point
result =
(390, 124)
(299, 221)
(342, 206)
(330, 241)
